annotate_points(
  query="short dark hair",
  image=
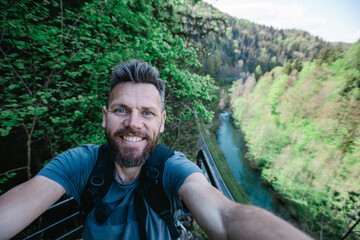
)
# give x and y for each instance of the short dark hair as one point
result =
(138, 71)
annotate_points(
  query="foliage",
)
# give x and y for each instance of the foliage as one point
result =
(244, 47)
(329, 54)
(57, 58)
(6, 177)
(302, 130)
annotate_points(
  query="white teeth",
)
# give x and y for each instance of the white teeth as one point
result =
(132, 139)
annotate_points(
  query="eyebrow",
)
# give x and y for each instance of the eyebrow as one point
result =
(118, 105)
(146, 108)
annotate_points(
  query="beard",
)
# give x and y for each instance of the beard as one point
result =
(129, 157)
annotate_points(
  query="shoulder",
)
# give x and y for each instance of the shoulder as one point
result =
(69, 160)
(178, 159)
(72, 168)
(177, 169)
(84, 152)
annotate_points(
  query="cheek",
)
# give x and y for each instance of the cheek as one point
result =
(111, 123)
(153, 129)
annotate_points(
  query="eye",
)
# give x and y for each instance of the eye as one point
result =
(147, 113)
(120, 110)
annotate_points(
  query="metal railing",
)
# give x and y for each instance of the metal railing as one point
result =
(56, 224)
(215, 177)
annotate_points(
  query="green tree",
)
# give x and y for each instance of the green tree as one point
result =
(57, 58)
(302, 131)
(258, 72)
(298, 65)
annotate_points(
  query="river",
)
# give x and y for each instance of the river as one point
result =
(231, 143)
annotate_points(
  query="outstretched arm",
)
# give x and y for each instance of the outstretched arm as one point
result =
(24, 203)
(221, 218)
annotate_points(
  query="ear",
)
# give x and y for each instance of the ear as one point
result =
(104, 112)
(163, 117)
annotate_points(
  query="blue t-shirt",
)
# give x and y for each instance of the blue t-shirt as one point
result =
(72, 168)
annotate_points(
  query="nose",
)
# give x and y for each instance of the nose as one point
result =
(133, 121)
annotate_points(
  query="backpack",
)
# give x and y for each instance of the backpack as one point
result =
(150, 188)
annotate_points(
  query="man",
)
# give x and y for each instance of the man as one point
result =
(133, 120)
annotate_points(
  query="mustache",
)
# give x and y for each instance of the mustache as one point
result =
(126, 131)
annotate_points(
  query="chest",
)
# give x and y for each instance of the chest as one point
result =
(122, 222)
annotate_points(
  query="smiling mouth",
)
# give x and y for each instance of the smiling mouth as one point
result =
(132, 138)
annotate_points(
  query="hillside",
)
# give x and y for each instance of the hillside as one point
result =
(301, 125)
(241, 47)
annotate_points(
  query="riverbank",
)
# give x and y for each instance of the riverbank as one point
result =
(232, 144)
(209, 130)
(234, 187)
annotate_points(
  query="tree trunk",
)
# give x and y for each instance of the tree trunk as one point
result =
(28, 145)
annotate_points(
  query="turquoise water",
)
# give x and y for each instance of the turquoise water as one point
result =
(231, 143)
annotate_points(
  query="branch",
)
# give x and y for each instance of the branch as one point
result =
(12, 170)
(28, 144)
(73, 27)
(49, 131)
(2, 36)
(16, 73)
(350, 230)
(62, 21)
(12, 66)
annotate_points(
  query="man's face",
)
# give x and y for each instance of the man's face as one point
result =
(133, 122)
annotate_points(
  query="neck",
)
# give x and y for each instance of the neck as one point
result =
(127, 175)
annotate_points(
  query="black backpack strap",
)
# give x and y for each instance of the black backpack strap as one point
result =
(98, 185)
(151, 188)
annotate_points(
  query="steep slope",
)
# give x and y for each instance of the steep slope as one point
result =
(303, 132)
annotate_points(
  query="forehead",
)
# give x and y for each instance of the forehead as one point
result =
(135, 95)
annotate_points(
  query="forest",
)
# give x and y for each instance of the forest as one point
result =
(295, 97)
(56, 63)
(301, 126)
(245, 47)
